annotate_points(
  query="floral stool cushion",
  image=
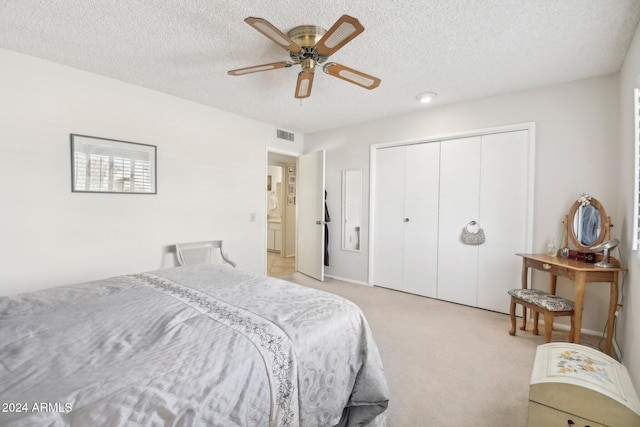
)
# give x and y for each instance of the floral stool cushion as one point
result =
(543, 299)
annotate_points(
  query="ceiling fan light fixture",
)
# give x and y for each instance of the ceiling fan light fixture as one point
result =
(309, 46)
(426, 97)
(306, 35)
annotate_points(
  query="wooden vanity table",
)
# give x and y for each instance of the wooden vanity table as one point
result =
(581, 273)
(585, 228)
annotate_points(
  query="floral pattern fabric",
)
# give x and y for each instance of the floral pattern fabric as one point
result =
(543, 299)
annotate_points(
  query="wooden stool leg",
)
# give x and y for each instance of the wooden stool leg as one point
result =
(548, 326)
(572, 329)
(524, 319)
(535, 322)
(512, 314)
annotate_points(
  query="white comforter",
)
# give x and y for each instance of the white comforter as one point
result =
(190, 346)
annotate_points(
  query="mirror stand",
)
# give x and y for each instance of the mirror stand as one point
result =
(604, 263)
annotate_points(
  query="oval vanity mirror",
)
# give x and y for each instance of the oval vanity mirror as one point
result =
(588, 224)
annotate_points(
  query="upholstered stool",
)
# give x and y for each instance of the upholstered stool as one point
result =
(540, 302)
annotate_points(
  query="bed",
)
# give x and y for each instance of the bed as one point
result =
(188, 346)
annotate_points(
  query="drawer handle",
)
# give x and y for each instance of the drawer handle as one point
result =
(546, 266)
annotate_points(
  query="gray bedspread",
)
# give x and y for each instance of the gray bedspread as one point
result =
(189, 346)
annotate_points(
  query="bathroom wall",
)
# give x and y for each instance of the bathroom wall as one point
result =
(274, 192)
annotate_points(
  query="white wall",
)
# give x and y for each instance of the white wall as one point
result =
(576, 152)
(211, 177)
(629, 319)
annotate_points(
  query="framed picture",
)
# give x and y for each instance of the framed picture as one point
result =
(292, 179)
(291, 170)
(102, 165)
(292, 190)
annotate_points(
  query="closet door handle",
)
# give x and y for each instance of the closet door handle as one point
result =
(406, 220)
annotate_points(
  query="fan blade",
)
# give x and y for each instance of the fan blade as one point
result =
(257, 68)
(343, 31)
(269, 30)
(303, 87)
(352, 76)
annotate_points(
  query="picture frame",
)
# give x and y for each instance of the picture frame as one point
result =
(292, 179)
(103, 165)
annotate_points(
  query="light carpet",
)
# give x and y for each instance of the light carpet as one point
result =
(446, 364)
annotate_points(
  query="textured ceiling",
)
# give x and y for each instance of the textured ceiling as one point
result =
(461, 49)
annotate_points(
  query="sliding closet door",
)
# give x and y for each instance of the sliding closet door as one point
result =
(503, 207)
(420, 220)
(389, 211)
(459, 205)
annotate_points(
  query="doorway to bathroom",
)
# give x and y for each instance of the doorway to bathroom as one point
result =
(281, 214)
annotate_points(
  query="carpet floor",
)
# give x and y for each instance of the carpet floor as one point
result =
(446, 364)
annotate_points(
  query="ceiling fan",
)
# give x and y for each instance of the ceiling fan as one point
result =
(309, 45)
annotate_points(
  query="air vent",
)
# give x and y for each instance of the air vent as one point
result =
(283, 134)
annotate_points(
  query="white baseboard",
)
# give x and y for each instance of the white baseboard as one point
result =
(562, 327)
(617, 349)
(342, 279)
(584, 331)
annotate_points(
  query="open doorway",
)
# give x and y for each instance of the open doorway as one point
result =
(281, 214)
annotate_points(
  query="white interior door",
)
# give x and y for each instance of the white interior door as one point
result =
(310, 200)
